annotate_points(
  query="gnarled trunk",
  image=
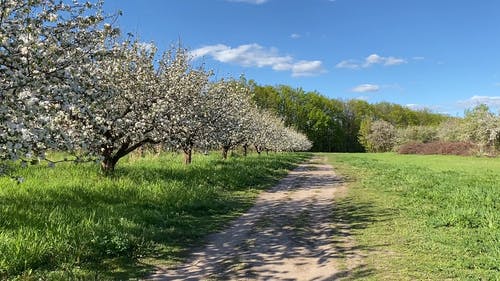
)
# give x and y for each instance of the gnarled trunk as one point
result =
(111, 157)
(108, 165)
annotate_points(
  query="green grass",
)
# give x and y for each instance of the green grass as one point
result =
(423, 217)
(70, 222)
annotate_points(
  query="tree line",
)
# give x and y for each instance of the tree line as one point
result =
(478, 132)
(335, 125)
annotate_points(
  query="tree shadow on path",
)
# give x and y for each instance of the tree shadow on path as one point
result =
(294, 232)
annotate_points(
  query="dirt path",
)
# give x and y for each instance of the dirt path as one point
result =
(287, 235)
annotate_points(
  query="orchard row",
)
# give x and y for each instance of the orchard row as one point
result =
(70, 82)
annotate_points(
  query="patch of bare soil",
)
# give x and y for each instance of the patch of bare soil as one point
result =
(287, 235)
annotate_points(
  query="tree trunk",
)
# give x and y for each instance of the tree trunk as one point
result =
(257, 148)
(224, 152)
(188, 156)
(245, 149)
(108, 165)
(110, 158)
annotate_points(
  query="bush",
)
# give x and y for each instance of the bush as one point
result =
(441, 147)
(410, 134)
(450, 130)
(377, 136)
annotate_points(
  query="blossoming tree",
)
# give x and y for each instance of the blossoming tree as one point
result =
(41, 42)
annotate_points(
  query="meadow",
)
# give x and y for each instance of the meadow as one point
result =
(419, 217)
(71, 222)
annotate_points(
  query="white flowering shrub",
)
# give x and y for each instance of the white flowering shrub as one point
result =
(381, 136)
(481, 127)
(449, 130)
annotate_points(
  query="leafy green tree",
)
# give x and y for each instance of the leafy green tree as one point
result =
(333, 124)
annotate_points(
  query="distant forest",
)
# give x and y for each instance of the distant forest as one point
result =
(333, 125)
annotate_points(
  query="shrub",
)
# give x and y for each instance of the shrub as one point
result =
(378, 136)
(440, 147)
(480, 126)
(450, 130)
(422, 134)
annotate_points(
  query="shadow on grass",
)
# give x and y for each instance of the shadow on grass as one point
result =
(107, 227)
(355, 273)
(349, 218)
(289, 229)
(232, 174)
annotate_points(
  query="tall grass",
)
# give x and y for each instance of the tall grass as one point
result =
(425, 217)
(70, 222)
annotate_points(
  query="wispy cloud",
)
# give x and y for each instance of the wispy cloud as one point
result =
(254, 55)
(491, 101)
(295, 36)
(366, 88)
(255, 2)
(352, 64)
(371, 60)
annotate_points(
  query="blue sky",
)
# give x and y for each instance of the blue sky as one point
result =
(439, 54)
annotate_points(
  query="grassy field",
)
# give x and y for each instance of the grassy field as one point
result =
(423, 217)
(70, 222)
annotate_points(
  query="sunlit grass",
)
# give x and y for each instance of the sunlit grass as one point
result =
(71, 222)
(424, 217)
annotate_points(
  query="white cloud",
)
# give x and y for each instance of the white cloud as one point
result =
(256, 2)
(295, 36)
(370, 60)
(366, 88)
(491, 101)
(254, 55)
(307, 68)
(418, 58)
(348, 64)
(373, 59)
(393, 61)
